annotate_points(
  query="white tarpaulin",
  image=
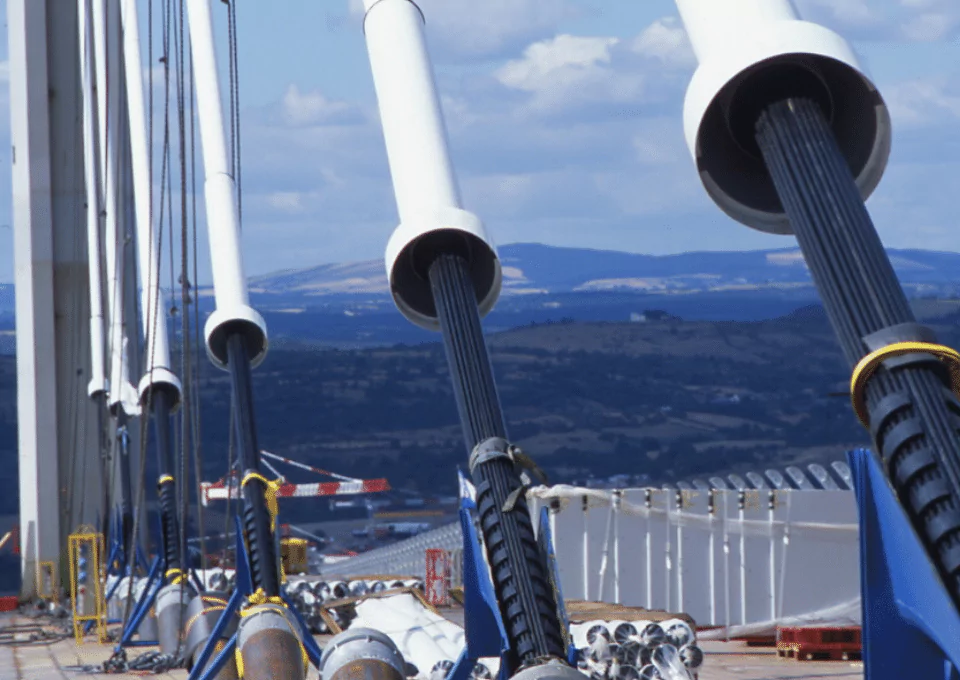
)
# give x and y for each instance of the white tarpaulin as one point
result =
(423, 637)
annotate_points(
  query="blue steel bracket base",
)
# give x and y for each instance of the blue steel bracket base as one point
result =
(485, 634)
(243, 590)
(911, 628)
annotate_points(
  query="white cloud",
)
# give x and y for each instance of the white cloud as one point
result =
(849, 13)
(569, 75)
(666, 40)
(563, 61)
(490, 28)
(313, 108)
(571, 140)
(932, 26)
(922, 102)
(888, 20)
(286, 201)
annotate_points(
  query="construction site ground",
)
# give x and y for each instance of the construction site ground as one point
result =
(64, 660)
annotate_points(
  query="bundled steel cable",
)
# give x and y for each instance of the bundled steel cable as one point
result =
(526, 600)
(901, 387)
(264, 569)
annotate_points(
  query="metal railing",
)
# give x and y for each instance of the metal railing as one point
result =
(406, 558)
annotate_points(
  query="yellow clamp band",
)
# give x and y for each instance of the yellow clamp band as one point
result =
(164, 479)
(193, 619)
(179, 578)
(255, 603)
(870, 363)
(270, 490)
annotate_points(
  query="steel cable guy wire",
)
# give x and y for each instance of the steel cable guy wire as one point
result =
(524, 595)
(913, 416)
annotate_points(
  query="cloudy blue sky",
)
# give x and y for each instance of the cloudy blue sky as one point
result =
(564, 120)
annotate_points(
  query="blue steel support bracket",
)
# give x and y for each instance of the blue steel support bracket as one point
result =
(485, 633)
(218, 662)
(911, 628)
(143, 606)
(244, 587)
(233, 604)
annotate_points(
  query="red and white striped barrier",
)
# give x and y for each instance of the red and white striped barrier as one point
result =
(219, 491)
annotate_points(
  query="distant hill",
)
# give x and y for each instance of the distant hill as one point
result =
(531, 268)
(348, 305)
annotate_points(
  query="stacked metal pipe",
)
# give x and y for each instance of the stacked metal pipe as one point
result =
(630, 650)
(309, 598)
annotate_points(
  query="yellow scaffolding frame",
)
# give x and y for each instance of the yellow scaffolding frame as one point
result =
(87, 537)
(47, 581)
(293, 555)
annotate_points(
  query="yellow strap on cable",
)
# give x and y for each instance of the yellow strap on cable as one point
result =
(870, 363)
(193, 619)
(164, 479)
(180, 576)
(270, 490)
(255, 603)
(259, 597)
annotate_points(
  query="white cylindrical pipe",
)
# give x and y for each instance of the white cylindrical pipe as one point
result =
(714, 25)
(229, 281)
(752, 53)
(98, 12)
(416, 138)
(98, 379)
(106, 29)
(428, 198)
(157, 350)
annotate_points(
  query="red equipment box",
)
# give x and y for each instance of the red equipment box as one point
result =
(810, 643)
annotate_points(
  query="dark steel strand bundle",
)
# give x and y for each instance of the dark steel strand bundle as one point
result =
(913, 415)
(166, 491)
(126, 502)
(526, 599)
(519, 568)
(473, 383)
(256, 517)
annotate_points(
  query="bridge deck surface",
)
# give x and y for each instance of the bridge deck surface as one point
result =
(64, 660)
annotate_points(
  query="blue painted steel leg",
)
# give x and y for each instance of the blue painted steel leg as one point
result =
(233, 604)
(219, 661)
(484, 630)
(911, 628)
(309, 643)
(154, 582)
(243, 589)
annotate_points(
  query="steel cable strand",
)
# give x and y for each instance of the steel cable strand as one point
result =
(264, 569)
(902, 317)
(913, 434)
(888, 296)
(519, 570)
